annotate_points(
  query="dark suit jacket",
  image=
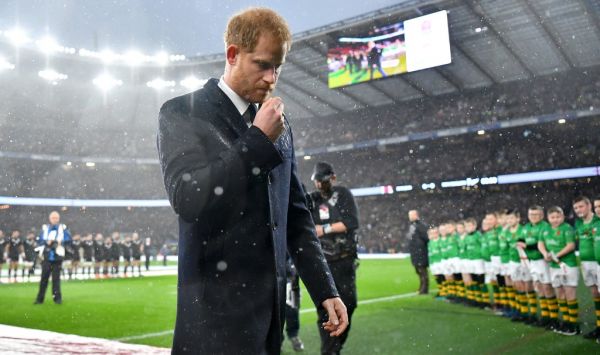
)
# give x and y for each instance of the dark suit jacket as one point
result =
(418, 239)
(240, 207)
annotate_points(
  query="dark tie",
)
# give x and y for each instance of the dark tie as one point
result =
(249, 115)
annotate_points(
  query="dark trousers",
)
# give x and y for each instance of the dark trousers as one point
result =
(344, 276)
(423, 279)
(48, 268)
(292, 314)
(147, 264)
(292, 321)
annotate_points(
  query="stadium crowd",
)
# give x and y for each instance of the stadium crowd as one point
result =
(546, 95)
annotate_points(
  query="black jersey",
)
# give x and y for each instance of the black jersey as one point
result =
(29, 247)
(88, 250)
(136, 249)
(76, 250)
(107, 252)
(339, 207)
(115, 251)
(3, 244)
(14, 249)
(98, 251)
(126, 250)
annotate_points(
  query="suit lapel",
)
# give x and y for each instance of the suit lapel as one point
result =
(224, 108)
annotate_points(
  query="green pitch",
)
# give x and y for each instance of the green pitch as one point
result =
(342, 77)
(125, 308)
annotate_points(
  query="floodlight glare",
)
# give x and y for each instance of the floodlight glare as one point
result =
(48, 45)
(52, 75)
(107, 56)
(133, 58)
(159, 83)
(17, 36)
(106, 82)
(161, 58)
(192, 83)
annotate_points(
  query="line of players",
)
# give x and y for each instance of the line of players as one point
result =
(101, 254)
(517, 269)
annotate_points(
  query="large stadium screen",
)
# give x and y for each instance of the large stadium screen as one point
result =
(412, 45)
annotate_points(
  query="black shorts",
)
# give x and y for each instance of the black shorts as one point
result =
(13, 256)
(137, 257)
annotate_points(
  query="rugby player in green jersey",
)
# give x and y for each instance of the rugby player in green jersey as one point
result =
(597, 206)
(557, 245)
(445, 267)
(587, 227)
(474, 262)
(452, 263)
(490, 253)
(537, 266)
(462, 262)
(504, 246)
(435, 257)
(518, 272)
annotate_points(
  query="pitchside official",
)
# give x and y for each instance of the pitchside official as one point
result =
(336, 218)
(230, 173)
(52, 240)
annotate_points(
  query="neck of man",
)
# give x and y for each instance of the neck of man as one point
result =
(587, 219)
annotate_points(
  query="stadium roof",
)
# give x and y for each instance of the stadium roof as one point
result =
(492, 42)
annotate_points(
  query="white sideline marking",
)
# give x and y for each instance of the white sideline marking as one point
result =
(306, 310)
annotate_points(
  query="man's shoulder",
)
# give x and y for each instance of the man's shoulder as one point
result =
(184, 104)
(342, 190)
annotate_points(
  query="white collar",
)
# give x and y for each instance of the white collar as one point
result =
(238, 101)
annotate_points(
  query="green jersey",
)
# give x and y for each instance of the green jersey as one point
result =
(434, 251)
(532, 233)
(555, 239)
(493, 243)
(513, 237)
(462, 246)
(443, 245)
(452, 246)
(503, 245)
(473, 244)
(485, 247)
(586, 234)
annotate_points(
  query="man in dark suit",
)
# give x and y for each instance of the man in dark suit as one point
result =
(417, 245)
(230, 174)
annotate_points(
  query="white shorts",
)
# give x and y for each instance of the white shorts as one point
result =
(488, 268)
(453, 266)
(434, 268)
(476, 267)
(519, 272)
(496, 265)
(445, 267)
(463, 266)
(513, 270)
(561, 278)
(540, 271)
(505, 269)
(589, 271)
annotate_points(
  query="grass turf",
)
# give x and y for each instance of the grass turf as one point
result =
(129, 307)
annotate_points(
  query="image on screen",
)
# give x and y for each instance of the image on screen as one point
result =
(379, 54)
(415, 44)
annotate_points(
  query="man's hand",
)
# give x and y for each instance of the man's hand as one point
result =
(338, 316)
(269, 119)
(320, 231)
(522, 245)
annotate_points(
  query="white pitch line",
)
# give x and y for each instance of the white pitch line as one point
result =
(306, 310)
(144, 336)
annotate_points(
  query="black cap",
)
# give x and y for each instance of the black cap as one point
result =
(322, 172)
